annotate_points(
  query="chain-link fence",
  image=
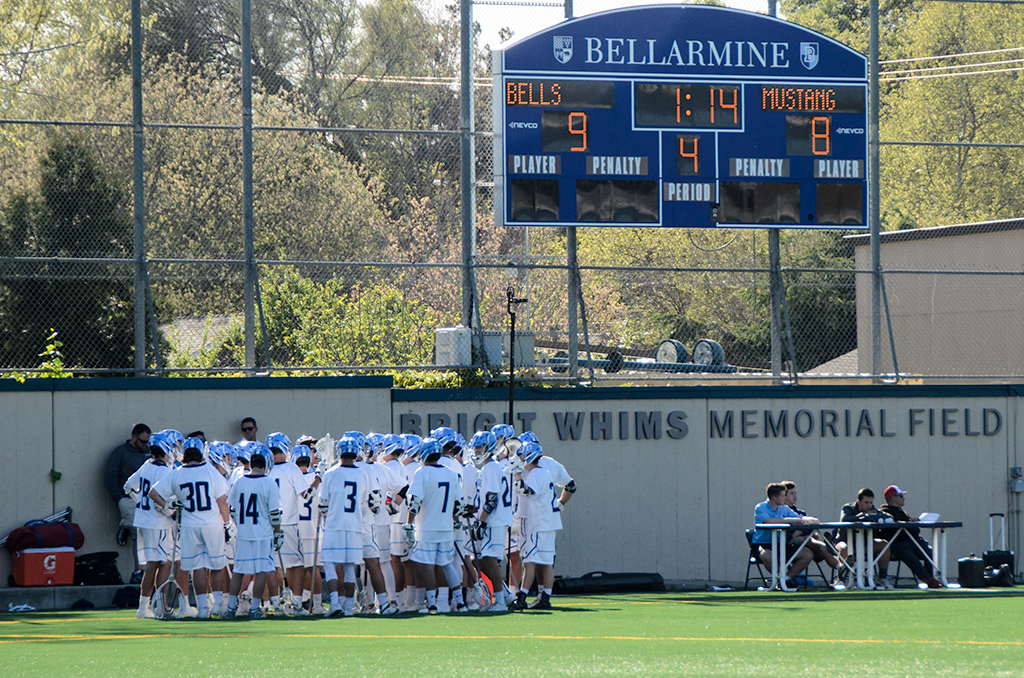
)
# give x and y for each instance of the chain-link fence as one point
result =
(356, 220)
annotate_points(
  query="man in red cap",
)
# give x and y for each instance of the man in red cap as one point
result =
(905, 546)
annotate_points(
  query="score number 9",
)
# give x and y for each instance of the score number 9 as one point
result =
(578, 126)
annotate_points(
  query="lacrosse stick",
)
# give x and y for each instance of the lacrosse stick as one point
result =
(478, 592)
(285, 592)
(60, 517)
(511, 446)
(171, 599)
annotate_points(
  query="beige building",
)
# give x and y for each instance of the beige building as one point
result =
(955, 297)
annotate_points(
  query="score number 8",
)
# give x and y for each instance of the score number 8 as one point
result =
(820, 133)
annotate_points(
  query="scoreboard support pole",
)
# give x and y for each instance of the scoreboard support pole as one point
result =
(873, 195)
(775, 283)
(468, 169)
(575, 288)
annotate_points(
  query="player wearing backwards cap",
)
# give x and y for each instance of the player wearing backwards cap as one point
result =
(201, 492)
(435, 497)
(344, 491)
(540, 511)
(904, 546)
(255, 503)
(155, 540)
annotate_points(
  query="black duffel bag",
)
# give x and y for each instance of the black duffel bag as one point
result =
(605, 582)
(97, 569)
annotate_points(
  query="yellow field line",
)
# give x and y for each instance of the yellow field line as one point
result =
(351, 636)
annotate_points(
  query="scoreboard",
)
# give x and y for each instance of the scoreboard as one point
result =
(686, 116)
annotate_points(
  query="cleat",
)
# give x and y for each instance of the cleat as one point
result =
(318, 609)
(203, 614)
(461, 609)
(883, 583)
(257, 613)
(229, 614)
(300, 612)
(332, 613)
(388, 609)
(145, 614)
(189, 612)
(349, 613)
(520, 601)
(444, 608)
(429, 610)
(542, 602)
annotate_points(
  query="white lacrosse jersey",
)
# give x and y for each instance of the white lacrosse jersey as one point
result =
(142, 481)
(557, 471)
(198, 487)
(251, 500)
(493, 478)
(407, 471)
(345, 490)
(307, 508)
(381, 478)
(438, 487)
(291, 484)
(540, 510)
(469, 480)
(398, 475)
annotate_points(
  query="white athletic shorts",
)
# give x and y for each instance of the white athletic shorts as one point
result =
(341, 547)
(202, 547)
(382, 537)
(370, 549)
(291, 552)
(462, 541)
(433, 552)
(254, 556)
(229, 552)
(398, 545)
(154, 545)
(308, 551)
(539, 548)
(513, 540)
(493, 543)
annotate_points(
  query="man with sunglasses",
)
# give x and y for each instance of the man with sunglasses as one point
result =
(122, 462)
(248, 431)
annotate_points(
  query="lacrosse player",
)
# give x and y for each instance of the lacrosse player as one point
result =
(541, 519)
(304, 457)
(292, 486)
(344, 491)
(403, 568)
(376, 474)
(201, 493)
(255, 504)
(494, 499)
(152, 526)
(435, 497)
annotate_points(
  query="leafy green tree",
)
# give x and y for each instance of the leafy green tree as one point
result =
(78, 212)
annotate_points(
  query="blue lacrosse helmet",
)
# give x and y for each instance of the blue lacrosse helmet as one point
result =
(357, 436)
(263, 450)
(503, 431)
(243, 450)
(430, 447)
(392, 443)
(162, 442)
(411, 445)
(531, 452)
(348, 445)
(279, 441)
(300, 451)
(221, 453)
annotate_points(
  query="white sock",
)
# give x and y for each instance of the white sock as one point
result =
(275, 601)
(432, 598)
(334, 600)
(457, 594)
(499, 597)
(389, 578)
(418, 596)
(232, 602)
(202, 603)
(306, 593)
(442, 594)
(143, 603)
(382, 600)
(218, 598)
(348, 604)
(547, 592)
(318, 599)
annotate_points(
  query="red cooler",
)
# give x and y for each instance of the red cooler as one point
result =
(45, 567)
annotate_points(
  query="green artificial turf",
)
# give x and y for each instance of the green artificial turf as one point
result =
(827, 635)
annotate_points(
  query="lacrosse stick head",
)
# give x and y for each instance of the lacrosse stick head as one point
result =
(168, 601)
(510, 447)
(325, 453)
(480, 595)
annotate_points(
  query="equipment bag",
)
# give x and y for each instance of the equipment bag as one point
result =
(97, 569)
(603, 582)
(971, 572)
(39, 535)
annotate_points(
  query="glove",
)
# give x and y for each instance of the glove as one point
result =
(278, 540)
(374, 501)
(134, 495)
(476, 532)
(390, 507)
(170, 507)
(515, 462)
(324, 508)
(308, 493)
(409, 534)
(230, 531)
(517, 526)
(468, 510)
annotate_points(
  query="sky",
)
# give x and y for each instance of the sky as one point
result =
(525, 20)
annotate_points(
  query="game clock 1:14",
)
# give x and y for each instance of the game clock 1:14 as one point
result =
(684, 153)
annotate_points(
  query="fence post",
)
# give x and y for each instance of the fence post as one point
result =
(138, 208)
(247, 229)
(468, 169)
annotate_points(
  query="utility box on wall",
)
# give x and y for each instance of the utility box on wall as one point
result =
(524, 348)
(453, 346)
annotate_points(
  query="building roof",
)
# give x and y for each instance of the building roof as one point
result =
(939, 232)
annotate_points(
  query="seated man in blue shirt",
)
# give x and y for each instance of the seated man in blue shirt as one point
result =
(774, 510)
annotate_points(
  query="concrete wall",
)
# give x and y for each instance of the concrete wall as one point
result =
(668, 476)
(74, 424)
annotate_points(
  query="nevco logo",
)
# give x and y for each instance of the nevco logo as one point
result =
(849, 130)
(523, 125)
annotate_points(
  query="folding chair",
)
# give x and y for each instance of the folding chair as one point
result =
(753, 558)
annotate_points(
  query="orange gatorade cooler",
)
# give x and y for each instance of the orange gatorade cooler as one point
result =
(45, 567)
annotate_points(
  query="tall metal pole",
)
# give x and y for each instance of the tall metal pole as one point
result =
(775, 282)
(873, 194)
(247, 228)
(138, 193)
(573, 264)
(468, 171)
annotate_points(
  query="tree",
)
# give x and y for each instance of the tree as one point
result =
(78, 212)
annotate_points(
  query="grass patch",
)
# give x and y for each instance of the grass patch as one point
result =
(939, 633)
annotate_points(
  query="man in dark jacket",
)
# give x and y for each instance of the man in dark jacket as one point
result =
(123, 461)
(903, 546)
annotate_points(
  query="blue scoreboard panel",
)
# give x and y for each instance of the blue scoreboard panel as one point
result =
(686, 116)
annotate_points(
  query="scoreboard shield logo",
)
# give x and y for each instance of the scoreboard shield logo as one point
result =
(563, 48)
(809, 54)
